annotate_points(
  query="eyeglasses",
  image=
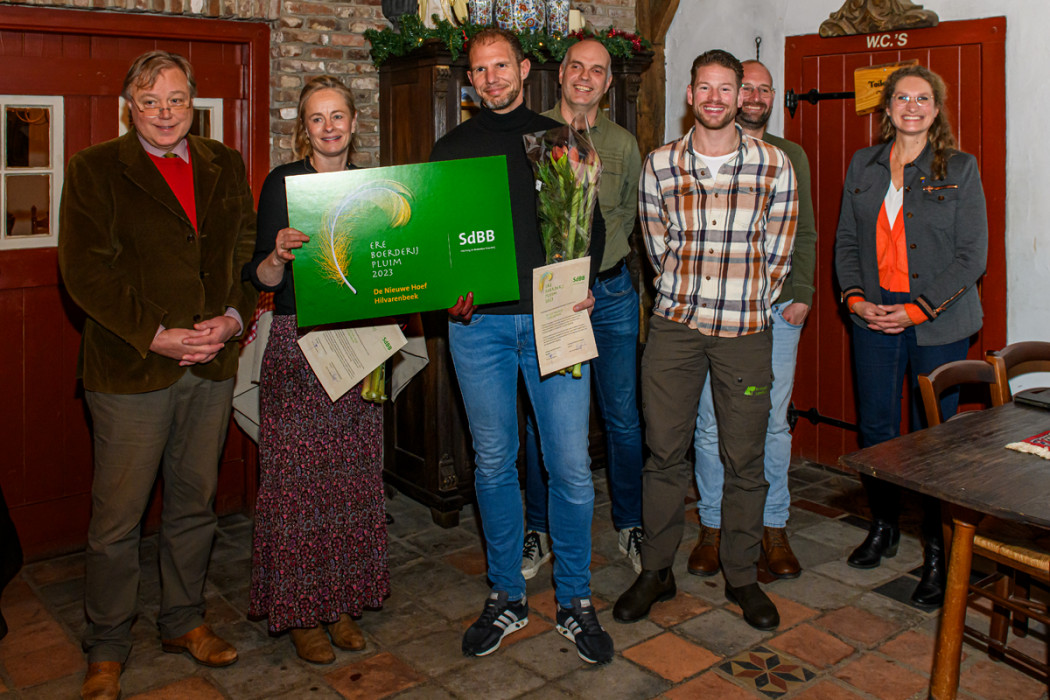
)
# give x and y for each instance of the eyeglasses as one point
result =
(762, 90)
(920, 100)
(151, 108)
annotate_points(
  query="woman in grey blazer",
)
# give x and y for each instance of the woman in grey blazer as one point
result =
(911, 244)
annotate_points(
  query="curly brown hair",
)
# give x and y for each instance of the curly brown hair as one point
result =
(301, 139)
(940, 135)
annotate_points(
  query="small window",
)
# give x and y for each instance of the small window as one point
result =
(207, 117)
(31, 142)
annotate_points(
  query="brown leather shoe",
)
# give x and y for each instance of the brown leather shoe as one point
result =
(102, 681)
(703, 561)
(780, 560)
(311, 644)
(206, 647)
(346, 634)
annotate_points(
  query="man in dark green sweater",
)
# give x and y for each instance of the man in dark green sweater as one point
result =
(789, 314)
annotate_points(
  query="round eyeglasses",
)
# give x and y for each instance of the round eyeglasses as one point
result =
(762, 90)
(920, 100)
(151, 109)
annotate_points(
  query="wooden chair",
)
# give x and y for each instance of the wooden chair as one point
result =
(951, 375)
(1019, 552)
(1016, 359)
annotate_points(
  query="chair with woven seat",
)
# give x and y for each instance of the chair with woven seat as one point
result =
(1017, 359)
(1018, 551)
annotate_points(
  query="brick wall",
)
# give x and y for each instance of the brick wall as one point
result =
(317, 36)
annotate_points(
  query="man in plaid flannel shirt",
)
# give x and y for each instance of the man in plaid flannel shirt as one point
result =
(718, 211)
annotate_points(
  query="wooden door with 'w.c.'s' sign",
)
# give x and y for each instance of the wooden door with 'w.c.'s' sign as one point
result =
(970, 56)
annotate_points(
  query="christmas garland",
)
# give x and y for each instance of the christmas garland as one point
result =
(539, 45)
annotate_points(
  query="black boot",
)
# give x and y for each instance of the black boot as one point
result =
(882, 541)
(930, 591)
(651, 586)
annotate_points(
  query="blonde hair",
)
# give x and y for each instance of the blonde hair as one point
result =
(301, 139)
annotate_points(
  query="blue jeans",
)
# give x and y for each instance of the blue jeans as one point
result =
(488, 354)
(881, 361)
(615, 371)
(710, 474)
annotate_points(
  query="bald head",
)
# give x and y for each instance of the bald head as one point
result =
(756, 98)
(585, 76)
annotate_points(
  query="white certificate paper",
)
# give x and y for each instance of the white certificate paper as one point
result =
(563, 336)
(342, 357)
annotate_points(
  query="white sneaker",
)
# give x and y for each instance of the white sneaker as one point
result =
(630, 544)
(535, 553)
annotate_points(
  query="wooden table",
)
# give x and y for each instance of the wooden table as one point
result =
(964, 462)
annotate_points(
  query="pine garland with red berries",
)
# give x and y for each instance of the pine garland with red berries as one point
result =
(538, 45)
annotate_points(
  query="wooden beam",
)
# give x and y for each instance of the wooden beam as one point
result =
(653, 18)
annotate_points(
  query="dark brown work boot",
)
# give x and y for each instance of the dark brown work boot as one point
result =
(780, 560)
(703, 561)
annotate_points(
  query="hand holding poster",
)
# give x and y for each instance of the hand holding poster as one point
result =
(386, 241)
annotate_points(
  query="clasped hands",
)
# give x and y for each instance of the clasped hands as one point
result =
(198, 345)
(886, 318)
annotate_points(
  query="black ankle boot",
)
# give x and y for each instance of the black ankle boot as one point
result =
(651, 586)
(930, 591)
(882, 541)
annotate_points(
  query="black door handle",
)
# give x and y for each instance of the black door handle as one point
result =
(791, 98)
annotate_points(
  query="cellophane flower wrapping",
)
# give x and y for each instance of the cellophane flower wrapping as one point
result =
(567, 169)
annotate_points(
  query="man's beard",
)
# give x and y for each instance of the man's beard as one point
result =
(751, 122)
(708, 121)
(503, 101)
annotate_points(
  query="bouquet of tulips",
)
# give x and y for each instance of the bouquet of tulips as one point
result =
(567, 171)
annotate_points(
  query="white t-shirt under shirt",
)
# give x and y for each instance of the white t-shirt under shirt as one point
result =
(893, 202)
(715, 163)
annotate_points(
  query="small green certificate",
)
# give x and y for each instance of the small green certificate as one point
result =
(401, 239)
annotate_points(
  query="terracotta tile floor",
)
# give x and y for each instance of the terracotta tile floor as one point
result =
(844, 634)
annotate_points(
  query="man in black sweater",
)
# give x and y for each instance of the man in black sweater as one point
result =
(490, 343)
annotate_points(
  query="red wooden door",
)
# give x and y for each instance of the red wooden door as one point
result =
(970, 56)
(46, 464)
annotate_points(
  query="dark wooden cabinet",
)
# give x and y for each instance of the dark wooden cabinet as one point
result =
(427, 444)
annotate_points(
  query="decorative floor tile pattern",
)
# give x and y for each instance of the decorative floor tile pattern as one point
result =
(840, 637)
(770, 672)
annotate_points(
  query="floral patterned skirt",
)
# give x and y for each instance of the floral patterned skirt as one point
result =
(320, 544)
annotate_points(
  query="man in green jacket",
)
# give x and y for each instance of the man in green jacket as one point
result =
(789, 314)
(155, 227)
(585, 76)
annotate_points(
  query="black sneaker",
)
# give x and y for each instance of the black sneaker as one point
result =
(580, 624)
(499, 618)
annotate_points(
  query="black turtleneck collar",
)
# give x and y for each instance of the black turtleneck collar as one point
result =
(512, 121)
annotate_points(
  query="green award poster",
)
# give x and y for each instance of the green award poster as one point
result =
(401, 239)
